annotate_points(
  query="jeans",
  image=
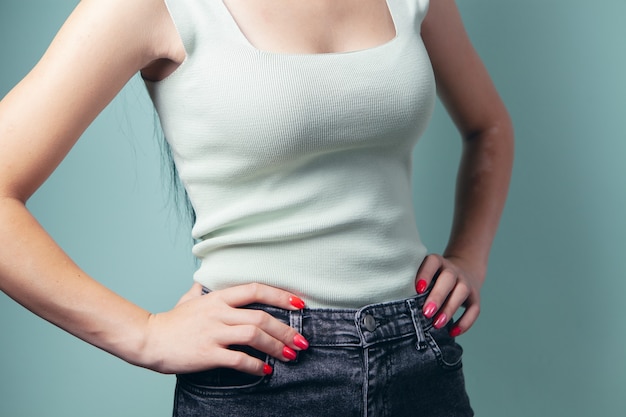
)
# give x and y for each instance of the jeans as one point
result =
(381, 360)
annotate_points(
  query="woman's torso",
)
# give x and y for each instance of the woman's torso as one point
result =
(298, 165)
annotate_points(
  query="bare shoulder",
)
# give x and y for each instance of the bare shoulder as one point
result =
(101, 46)
(443, 31)
(463, 82)
(144, 27)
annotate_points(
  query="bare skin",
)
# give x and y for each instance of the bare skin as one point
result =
(46, 113)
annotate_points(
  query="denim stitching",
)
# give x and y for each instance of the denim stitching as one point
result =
(295, 321)
(366, 381)
(419, 330)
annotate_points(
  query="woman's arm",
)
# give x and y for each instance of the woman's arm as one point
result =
(100, 47)
(470, 97)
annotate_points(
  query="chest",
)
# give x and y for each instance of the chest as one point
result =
(313, 26)
(249, 110)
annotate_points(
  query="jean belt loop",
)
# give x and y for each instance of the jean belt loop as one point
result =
(417, 323)
(295, 321)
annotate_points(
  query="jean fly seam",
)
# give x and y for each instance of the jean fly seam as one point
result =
(366, 381)
(419, 330)
(295, 321)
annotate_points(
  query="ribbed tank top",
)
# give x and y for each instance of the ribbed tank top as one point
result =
(298, 166)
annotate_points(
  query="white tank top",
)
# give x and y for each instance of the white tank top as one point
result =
(298, 166)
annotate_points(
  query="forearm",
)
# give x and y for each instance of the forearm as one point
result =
(35, 272)
(482, 186)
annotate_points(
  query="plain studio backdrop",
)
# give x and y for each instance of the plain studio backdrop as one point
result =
(551, 337)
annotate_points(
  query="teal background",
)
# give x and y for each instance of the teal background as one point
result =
(551, 337)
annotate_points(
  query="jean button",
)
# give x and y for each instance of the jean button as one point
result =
(369, 322)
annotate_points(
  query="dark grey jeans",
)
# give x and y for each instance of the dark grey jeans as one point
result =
(381, 360)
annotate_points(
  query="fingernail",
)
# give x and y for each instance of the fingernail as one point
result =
(301, 342)
(296, 302)
(267, 369)
(441, 320)
(430, 309)
(289, 353)
(456, 330)
(421, 286)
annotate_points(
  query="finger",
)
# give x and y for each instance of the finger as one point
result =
(249, 335)
(427, 271)
(281, 332)
(467, 320)
(243, 362)
(242, 295)
(455, 299)
(446, 281)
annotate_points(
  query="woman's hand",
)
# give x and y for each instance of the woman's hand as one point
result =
(197, 333)
(456, 285)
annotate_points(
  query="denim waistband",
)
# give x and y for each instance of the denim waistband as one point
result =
(363, 327)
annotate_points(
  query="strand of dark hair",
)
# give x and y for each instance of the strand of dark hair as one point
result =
(177, 191)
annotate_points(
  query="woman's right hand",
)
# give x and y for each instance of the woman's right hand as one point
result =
(196, 334)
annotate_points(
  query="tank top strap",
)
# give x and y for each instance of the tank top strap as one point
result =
(407, 14)
(200, 19)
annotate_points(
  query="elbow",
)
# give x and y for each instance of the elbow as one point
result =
(496, 123)
(493, 143)
(496, 130)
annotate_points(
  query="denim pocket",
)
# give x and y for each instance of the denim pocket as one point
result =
(223, 379)
(448, 353)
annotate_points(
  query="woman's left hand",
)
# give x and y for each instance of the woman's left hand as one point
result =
(456, 285)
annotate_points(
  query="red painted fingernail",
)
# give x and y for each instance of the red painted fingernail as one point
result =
(456, 330)
(296, 302)
(440, 321)
(289, 353)
(267, 369)
(430, 309)
(421, 286)
(301, 342)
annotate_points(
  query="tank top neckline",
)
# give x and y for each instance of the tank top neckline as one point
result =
(234, 27)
